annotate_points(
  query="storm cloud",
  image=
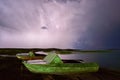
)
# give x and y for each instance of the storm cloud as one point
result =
(83, 24)
(29, 23)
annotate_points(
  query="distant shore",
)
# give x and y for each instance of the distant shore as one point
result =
(61, 51)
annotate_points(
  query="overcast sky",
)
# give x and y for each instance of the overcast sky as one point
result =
(82, 24)
(104, 30)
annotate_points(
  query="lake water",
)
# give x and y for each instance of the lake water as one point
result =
(107, 60)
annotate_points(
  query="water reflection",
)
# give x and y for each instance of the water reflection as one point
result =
(107, 60)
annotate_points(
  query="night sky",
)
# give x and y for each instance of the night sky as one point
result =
(81, 24)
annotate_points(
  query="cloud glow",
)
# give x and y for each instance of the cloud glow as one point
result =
(22, 23)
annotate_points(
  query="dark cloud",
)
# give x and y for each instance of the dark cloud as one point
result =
(104, 30)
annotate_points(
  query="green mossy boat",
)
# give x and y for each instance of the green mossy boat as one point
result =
(52, 64)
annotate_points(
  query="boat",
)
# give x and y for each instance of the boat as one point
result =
(52, 64)
(41, 55)
(30, 56)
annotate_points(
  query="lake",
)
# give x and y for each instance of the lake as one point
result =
(107, 60)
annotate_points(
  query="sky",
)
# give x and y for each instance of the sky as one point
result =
(79, 24)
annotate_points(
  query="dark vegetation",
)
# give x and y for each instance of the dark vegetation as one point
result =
(59, 51)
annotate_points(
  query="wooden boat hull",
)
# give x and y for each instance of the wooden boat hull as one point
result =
(65, 68)
(28, 57)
